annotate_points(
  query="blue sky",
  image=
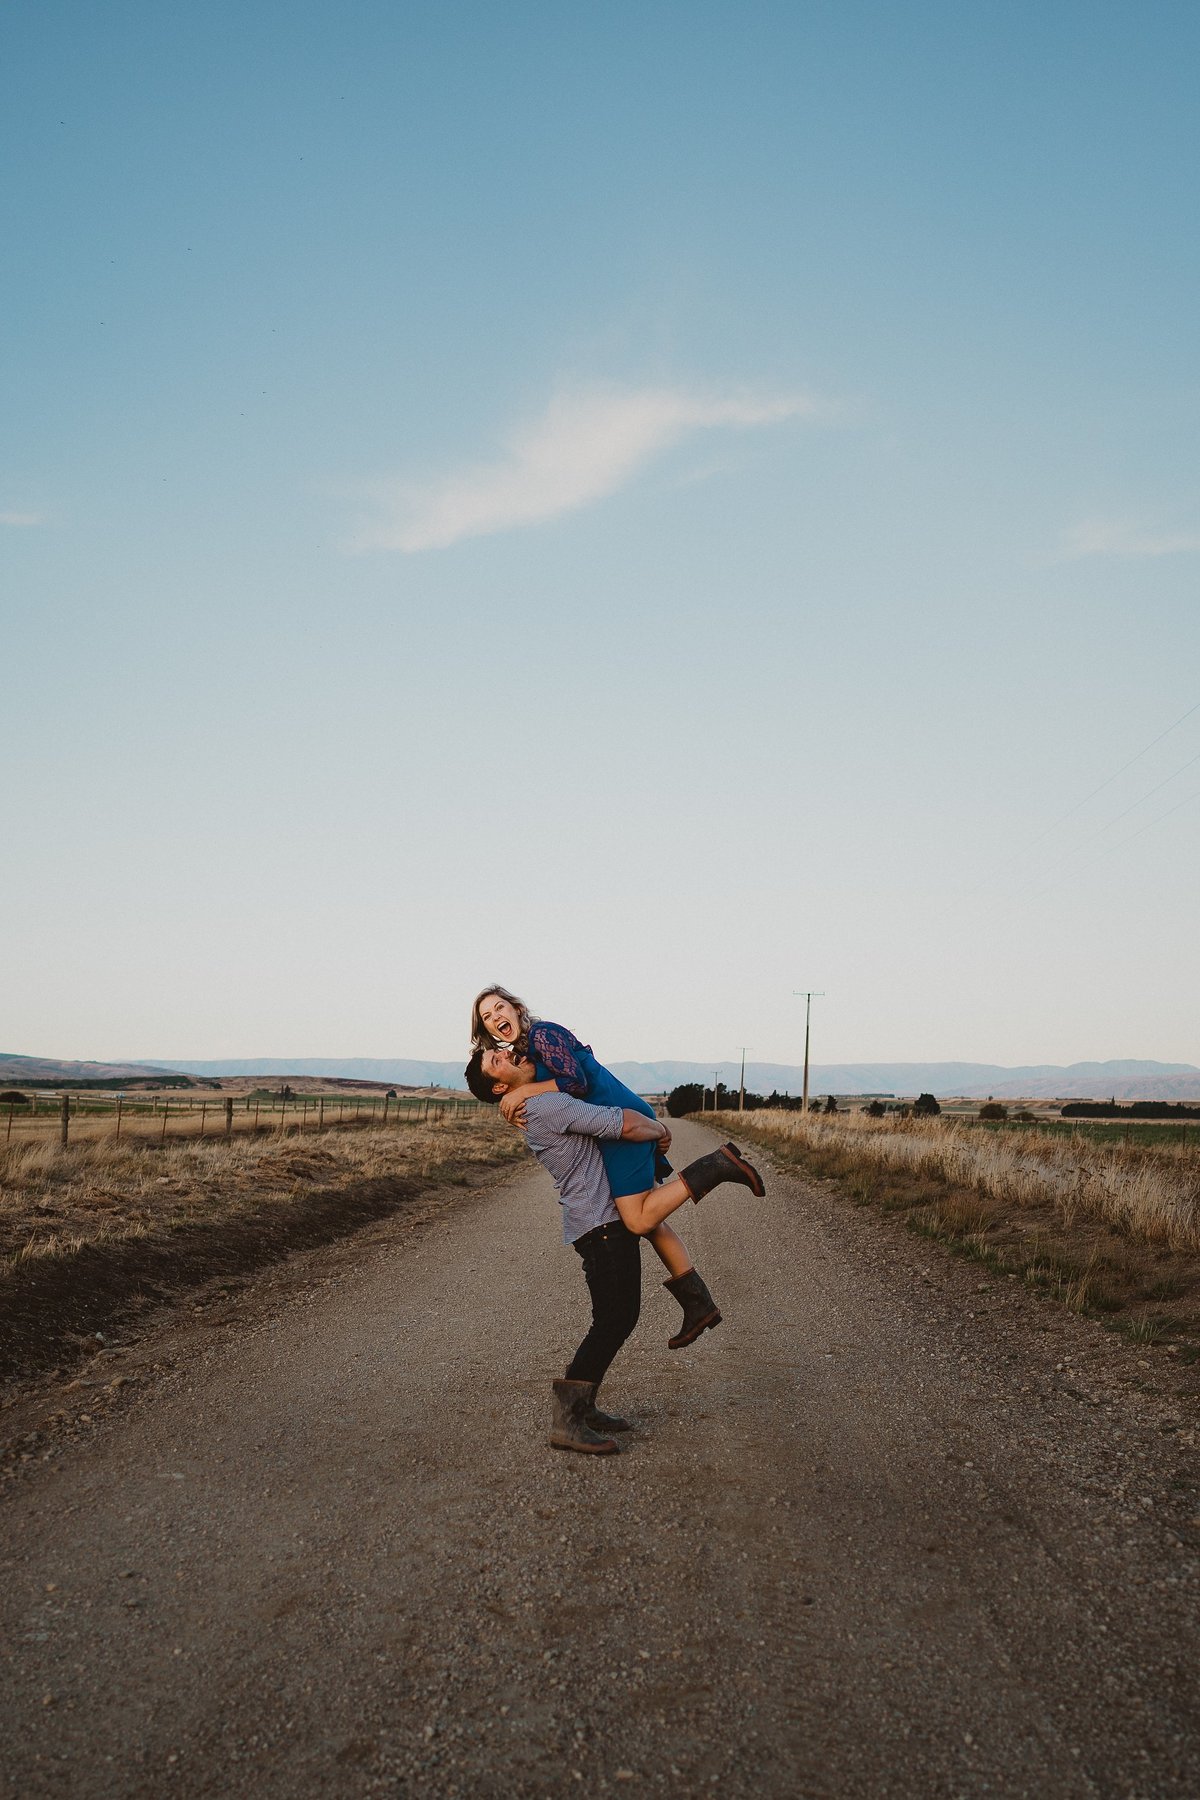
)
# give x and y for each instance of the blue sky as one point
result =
(659, 506)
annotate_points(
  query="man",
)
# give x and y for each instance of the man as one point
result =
(564, 1135)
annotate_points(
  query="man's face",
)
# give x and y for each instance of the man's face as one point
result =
(504, 1070)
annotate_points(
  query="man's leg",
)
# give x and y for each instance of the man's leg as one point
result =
(611, 1257)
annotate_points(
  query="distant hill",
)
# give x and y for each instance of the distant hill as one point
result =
(16, 1069)
(1124, 1080)
(402, 1071)
(1127, 1080)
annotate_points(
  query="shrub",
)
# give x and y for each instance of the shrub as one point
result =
(876, 1109)
(992, 1109)
(10, 1097)
(926, 1107)
(687, 1098)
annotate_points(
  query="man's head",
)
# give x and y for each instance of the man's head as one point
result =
(490, 1073)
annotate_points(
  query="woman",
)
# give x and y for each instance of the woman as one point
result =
(567, 1066)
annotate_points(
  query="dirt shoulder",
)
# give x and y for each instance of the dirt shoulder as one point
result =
(93, 1235)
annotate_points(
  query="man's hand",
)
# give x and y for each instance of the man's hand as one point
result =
(638, 1129)
(512, 1107)
(664, 1142)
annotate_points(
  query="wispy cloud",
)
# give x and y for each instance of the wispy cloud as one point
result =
(1123, 537)
(585, 445)
(22, 518)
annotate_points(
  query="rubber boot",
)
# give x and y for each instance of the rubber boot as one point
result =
(569, 1429)
(700, 1311)
(725, 1164)
(604, 1422)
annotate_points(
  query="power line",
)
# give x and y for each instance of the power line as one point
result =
(1111, 849)
(1054, 823)
(1077, 849)
(1179, 804)
(1032, 843)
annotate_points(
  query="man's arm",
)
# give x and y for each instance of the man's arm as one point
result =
(638, 1129)
(582, 1119)
(512, 1104)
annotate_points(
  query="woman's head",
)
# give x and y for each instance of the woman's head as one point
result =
(498, 1017)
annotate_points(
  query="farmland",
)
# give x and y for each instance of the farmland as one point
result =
(237, 1109)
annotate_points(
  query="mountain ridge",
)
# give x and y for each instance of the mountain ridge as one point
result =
(1122, 1079)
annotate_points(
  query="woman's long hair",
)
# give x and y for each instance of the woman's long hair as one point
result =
(482, 1038)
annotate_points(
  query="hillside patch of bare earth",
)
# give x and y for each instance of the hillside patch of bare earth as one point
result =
(93, 1234)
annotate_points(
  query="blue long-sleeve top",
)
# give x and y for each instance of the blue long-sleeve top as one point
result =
(560, 1056)
(556, 1048)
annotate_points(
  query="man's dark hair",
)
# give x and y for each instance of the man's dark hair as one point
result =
(479, 1083)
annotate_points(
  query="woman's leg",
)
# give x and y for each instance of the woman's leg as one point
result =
(642, 1212)
(670, 1249)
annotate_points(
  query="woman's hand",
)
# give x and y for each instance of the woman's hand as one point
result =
(664, 1142)
(512, 1107)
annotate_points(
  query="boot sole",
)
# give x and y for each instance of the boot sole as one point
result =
(605, 1448)
(684, 1338)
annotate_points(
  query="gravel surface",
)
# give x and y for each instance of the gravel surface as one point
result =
(891, 1530)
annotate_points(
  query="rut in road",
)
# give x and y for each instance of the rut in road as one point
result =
(861, 1543)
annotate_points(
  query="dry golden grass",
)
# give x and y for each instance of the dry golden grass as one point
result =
(52, 1200)
(88, 1231)
(1150, 1194)
(1111, 1230)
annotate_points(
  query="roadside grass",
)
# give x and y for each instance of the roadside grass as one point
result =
(1109, 1230)
(93, 1231)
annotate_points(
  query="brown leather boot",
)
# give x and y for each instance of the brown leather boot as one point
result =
(569, 1429)
(725, 1164)
(699, 1308)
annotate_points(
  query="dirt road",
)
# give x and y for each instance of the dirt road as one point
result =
(888, 1531)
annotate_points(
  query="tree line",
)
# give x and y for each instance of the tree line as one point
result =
(694, 1097)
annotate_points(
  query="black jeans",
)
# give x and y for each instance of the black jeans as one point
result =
(612, 1268)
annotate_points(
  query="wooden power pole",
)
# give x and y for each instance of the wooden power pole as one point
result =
(808, 995)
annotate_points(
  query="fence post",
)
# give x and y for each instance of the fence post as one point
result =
(229, 1117)
(321, 1113)
(387, 1100)
(120, 1105)
(66, 1119)
(8, 1133)
(203, 1113)
(162, 1136)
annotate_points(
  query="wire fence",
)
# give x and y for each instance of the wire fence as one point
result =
(161, 1117)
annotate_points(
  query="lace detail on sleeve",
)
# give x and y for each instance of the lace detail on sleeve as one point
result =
(555, 1046)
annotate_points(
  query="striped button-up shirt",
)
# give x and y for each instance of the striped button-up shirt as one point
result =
(563, 1134)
